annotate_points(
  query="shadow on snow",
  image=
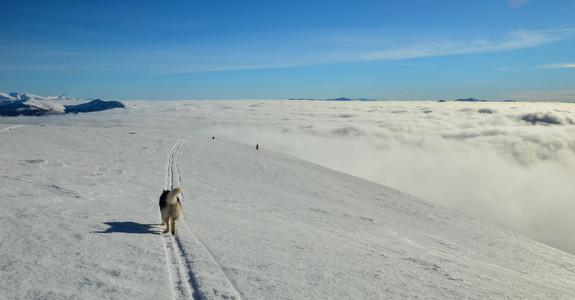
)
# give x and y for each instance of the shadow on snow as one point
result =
(129, 227)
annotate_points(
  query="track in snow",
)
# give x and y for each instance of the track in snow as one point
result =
(172, 172)
(180, 274)
(10, 128)
(186, 254)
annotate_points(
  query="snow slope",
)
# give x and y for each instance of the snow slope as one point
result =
(80, 195)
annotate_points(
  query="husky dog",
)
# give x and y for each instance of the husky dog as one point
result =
(171, 209)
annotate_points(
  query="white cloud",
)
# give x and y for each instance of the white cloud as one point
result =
(517, 3)
(513, 41)
(558, 66)
(325, 47)
(508, 163)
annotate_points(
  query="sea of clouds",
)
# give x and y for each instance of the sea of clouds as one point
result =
(511, 164)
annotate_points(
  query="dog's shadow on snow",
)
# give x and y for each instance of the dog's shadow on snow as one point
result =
(130, 227)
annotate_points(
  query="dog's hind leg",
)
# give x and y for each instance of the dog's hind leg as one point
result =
(168, 222)
(174, 223)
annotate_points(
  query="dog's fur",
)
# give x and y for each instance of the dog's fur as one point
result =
(171, 209)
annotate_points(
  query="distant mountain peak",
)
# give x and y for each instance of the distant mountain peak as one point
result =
(16, 104)
(470, 100)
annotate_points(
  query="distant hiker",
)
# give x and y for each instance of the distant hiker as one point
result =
(257, 146)
(213, 137)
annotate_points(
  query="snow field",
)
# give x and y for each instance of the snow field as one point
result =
(80, 207)
(74, 228)
(186, 253)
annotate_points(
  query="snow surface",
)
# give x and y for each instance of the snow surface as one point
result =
(510, 164)
(81, 221)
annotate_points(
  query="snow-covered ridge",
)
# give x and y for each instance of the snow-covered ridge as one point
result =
(16, 104)
(27, 96)
(80, 202)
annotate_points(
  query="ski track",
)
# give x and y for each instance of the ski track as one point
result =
(11, 128)
(185, 253)
(179, 273)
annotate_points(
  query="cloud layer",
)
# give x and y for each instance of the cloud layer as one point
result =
(511, 164)
(507, 163)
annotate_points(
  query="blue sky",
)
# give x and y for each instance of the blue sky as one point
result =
(395, 50)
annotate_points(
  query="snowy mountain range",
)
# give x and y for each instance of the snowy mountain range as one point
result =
(79, 203)
(27, 96)
(15, 104)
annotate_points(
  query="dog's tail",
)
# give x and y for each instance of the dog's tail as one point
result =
(172, 196)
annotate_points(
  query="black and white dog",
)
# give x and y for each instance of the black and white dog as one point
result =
(171, 209)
